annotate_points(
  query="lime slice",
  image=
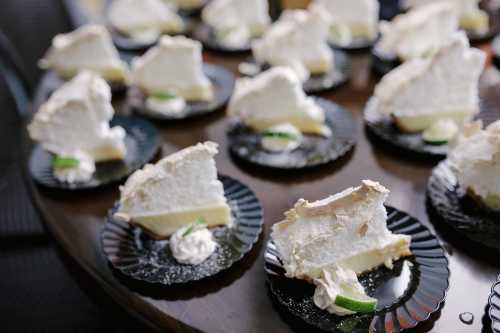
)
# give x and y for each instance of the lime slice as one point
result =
(163, 96)
(364, 305)
(440, 132)
(64, 162)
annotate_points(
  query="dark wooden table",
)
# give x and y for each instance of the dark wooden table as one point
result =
(237, 300)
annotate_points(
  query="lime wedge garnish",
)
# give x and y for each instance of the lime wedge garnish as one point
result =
(64, 162)
(163, 95)
(279, 135)
(364, 305)
(200, 221)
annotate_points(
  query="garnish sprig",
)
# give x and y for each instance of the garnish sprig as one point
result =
(199, 222)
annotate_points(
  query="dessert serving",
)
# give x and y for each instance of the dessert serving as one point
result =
(235, 23)
(332, 256)
(475, 160)
(184, 216)
(186, 4)
(472, 18)
(419, 33)
(73, 125)
(144, 21)
(351, 22)
(297, 40)
(277, 125)
(88, 47)
(171, 78)
(464, 190)
(151, 197)
(404, 97)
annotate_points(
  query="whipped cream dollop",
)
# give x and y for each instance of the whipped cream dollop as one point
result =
(192, 244)
(80, 173)
(169, 106)
(475, 159)
(281, 137)
(334, 282)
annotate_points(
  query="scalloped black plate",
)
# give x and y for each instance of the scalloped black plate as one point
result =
(407, 295)
(206, 35)
(135, 254)
(340, 74)
(314, 150)
(222, 80)
(142, 142)
(494, 307)
(460, 212)
(383, 128)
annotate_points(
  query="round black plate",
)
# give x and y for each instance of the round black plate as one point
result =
(206, 35)
(460, 212)
(494, 310)
(223, 83)
(142, 142)
(384, 129)
(407, 295)
(314, 150)
(135, 254)
(340, 74)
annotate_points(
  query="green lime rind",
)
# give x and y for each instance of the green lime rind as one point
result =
(192, 227)
(279, 135)
(64, 162)
(356, 305)
(163, 95)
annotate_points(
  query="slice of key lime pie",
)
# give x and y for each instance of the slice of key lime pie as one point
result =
(88, 47)
(422, 92)
(297, 40)
(419, 33)
(144, 20)
(74, 126)
(175, 193)
(236, 22)
(351, 20)
(471, 16)
(475, 160)
(171, 74)
(328, 242)
(274, 104)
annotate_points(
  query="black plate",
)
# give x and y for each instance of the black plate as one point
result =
(407, 295)
(460, 212)
(358, 44)
(340, 74)
(383, 128)
(206, 35)
(140, 257)
(314, 151)
(223, 83)
(142, 142)
(382, 65)
(494, 310)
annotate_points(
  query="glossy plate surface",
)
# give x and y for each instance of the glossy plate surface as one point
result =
(460, 212)
(142, 142)
(206, 35)
(407, 295)
(135, 254)
(315, 150)
(222, 81)
(494, 310)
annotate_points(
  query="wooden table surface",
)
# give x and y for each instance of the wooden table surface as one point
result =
(237, 300)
